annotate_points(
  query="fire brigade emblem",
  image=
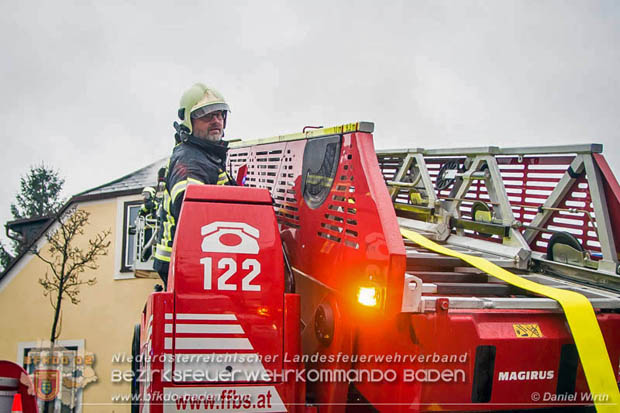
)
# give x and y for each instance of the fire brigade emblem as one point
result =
(46, 384)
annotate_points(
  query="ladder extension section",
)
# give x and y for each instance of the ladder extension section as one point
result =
(514, 203)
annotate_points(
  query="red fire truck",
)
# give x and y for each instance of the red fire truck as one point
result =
(340, 278)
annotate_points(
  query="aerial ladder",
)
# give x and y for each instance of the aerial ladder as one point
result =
(475, 279)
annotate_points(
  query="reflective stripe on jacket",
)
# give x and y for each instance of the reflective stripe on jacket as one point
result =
(192, 162)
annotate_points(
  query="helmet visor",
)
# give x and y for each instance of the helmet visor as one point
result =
(205, 110)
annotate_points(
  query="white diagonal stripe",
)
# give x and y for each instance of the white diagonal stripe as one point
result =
(209, 328)
(212, 344)
(206, 317)
(8, 382)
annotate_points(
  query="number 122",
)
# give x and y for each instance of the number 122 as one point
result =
(231, 269)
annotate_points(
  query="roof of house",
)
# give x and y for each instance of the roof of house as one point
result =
(26, 227)
(133, 182)
(129, 184)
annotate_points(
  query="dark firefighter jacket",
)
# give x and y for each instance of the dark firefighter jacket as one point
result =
(193, 161)
(148, 208)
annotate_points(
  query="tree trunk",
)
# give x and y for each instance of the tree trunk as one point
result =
(56, 316)
(61, 290)
(48, 406)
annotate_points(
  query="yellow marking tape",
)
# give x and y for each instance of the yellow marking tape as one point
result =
(579, 314)
(310, 133)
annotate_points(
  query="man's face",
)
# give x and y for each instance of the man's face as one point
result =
(210, 126)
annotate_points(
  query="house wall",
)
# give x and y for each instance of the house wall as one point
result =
(104, 319)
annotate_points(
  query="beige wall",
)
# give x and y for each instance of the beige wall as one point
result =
(104, 319)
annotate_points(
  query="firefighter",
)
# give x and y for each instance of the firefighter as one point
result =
(149, 203)
(148, 211)
(198, 158)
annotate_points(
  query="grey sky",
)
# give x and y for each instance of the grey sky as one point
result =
(92, 87)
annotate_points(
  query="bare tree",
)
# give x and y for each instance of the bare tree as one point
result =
(67, 261)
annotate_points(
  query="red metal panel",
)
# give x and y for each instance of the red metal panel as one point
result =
(230, 273)
(353, 235)
(459, 333)
(296, 391)
(155, 361)
(234, 305)
(233, 194)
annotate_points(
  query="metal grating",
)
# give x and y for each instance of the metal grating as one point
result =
(272, 167)
(339, 223)
(528, 180)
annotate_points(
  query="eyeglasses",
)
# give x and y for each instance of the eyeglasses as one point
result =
(198, 114)
(209, 116)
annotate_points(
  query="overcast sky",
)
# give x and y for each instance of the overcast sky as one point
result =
(92, 87)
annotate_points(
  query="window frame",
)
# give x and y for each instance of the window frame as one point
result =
(22, 346)
(126, 208)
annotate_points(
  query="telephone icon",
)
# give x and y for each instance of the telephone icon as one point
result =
(247, 237)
